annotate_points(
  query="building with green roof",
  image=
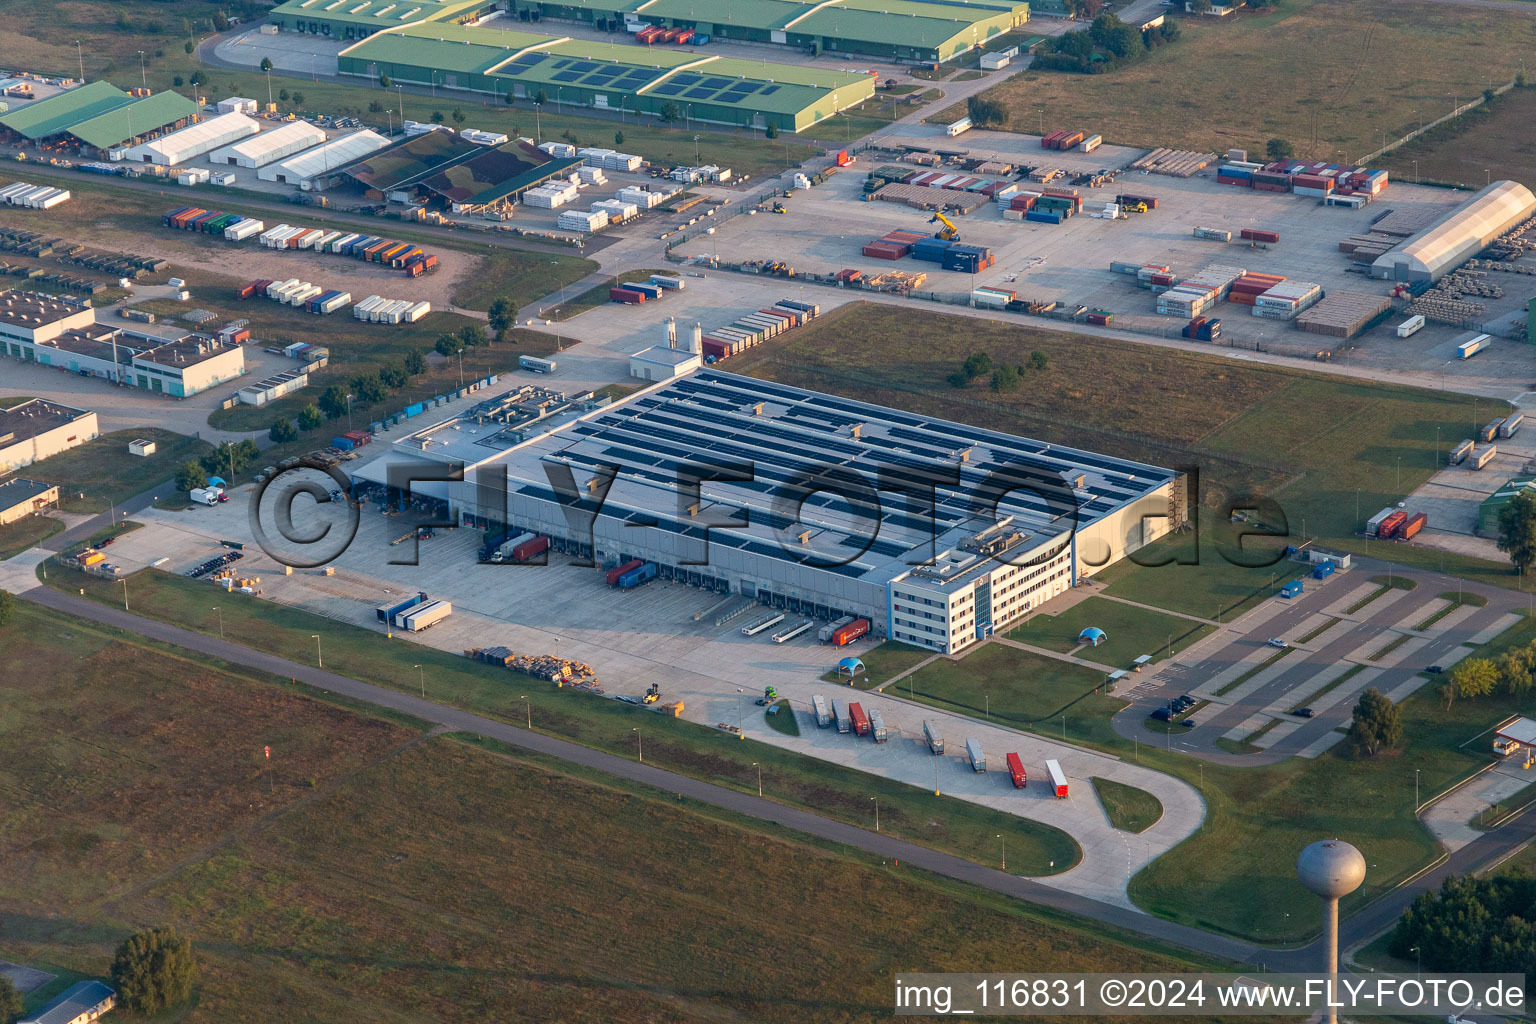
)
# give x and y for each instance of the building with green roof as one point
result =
(1488, 511)
(917, 30)
(609, 76)
(358, 19)
(98, 116)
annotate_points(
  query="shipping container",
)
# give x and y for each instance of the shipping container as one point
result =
(1058, 778)
(1387, 528)
(529, 548)
(1459, 453)
(1213, 234)
(840, 715)
(933, 736)
(821, 710)
(1373, 524)
(626, 295)
(1490, 430)
(824, 634)
(1410, 326)
(386, 613)
(419, 618)
(1468, 349)
(1322, 571)
(1016, 771)
(1511, 425)
(845, 635)
(1415, 523)
(611, 577)
(1482, 458)
(635, 577)
(859, 719)
(974, 754)
(877, 726)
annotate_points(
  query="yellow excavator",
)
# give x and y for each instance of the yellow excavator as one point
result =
(947, 233)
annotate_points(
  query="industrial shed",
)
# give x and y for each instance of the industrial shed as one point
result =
(98, 117)
(277, 144)
(358, 20)
(1458, 236)
(607, 76)
(313, 168)
(193, 141)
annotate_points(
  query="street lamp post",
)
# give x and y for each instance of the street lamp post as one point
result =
(124, 582)
(877, 812)
(221, 621)
(759, 768)
(319, 657)
(143, 75)
(1004, 839)
(529, 705)
(421, 674)
(639, 743)
(1416, 791)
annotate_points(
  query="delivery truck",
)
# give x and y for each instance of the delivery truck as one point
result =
(423, 616)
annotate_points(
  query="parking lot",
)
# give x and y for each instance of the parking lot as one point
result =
(665, 634)
(1332, 654)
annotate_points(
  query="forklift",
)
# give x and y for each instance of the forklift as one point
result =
(653, 694)
(769, 696)
(948, 233)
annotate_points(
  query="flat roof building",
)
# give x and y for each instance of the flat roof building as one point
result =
(357, 19)
(33, 430)
(608, 76)
(939, 533)
(317, 167)
(1457, 236)
(663, 362)
(20, 498)
(35, 316)
(194, 140)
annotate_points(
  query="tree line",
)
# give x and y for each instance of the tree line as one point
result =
(1001, 376)
(1473, 925)
(1106, 44)
(1511, 674)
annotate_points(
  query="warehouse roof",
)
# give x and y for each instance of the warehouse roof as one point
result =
(732, 81)
(195, 137)
(921, 27)
(20, 491)
(142, 116)
(78, 1002)
(42, 118)
(258, 146)
(446, 47)
(491, 173)
(332, 155)
(377, 14)
(792, 437)
(37, 309)
(31, 418)
(1460, 233)
(403, 162)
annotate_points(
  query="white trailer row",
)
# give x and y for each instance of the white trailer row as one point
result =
(418, 617)
(33, 197)
(378, 310)
(241, 230)
(286, 236)
(293, 292)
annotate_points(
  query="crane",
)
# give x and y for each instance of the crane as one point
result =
(948, 232)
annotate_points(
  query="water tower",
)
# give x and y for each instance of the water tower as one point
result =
(1332, 869)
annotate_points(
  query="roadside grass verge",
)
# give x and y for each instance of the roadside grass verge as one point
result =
(1129, 809)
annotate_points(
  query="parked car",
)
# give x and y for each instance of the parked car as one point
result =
(1161, 715)
(1188, 723)
(1303, 712)
(1434, 670)
(1275, 641)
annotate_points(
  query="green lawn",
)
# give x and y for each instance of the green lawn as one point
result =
(883, 663)
(365, 868)
(27, 533)
(1003, 683)
(1129, 809)
(100, 473)
(1132, 632)
(783, 720)
(911, 812)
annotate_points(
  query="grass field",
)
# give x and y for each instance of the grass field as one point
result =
(1487, 142)
(370, 874)
(1319, 446)
(26, 533)
(98, 474)
(942, 822)
(1129, 808)
(883, 663)
(45, 41)
(1002, 683)
(1131, 632)
(1334, 77)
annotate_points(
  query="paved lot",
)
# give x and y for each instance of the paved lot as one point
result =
(1251, 687)
(636, 638)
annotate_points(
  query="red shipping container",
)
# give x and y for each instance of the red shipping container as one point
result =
(1415, 523)
(879, 251)
(859, 719)
(611, 577)
(625, 295)
(1389, 525)
(528, 548)
(715, 348)
(851, 632)
(1016, 770)
(1259, 236)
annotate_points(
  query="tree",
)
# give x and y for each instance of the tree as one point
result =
(415, 362)
(437, 117)
(449, 345)
(298, 98)
(198, 78)
(458, 115)
(187, 46)
(618, 138)
(333, 402)
(1278, 149)
(541, 97)
(369, 388)
(393, 375)
(385, 82)
(1519, 79)
(220, 21)
(266, 63)
(670, 111)
(282, 431)
(1377, 724)
(1475, 677)
(1038, 360)
(772, 131)
(122, 22)
(1517, 530)
(282, 94)
(190, 476)
(473, 336)
(1487, 95)
(153, 970)
(176, 80)
(976, 364)
(1200, 6)
(1005, 378)
(7, 613)
(310, 417)
(986, 112)
(501, 316)
(11, 1003)
(511, 97)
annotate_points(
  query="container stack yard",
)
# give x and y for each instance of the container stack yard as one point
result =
(1343, 314)
(755, 328)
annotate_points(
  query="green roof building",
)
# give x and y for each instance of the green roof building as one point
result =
(1488, 511)
(100, 116)
(358, 19)
(916, 30)
(608, 76)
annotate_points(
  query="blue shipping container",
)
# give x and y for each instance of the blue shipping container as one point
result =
(414, 410)
(636, 576)
(346, 444)
(1043, 216)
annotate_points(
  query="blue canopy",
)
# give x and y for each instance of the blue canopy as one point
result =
(1092, 635)
(850, 666)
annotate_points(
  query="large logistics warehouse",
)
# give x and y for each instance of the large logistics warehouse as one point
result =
(194, 140)
(357, 19)
(950, 531)
(35, 429)
(918, 30)
(316, 167)
(97, 118)
(293, 137)
(608, 76)
(1458, 236)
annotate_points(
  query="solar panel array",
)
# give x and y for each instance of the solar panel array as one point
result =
(595, 74)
